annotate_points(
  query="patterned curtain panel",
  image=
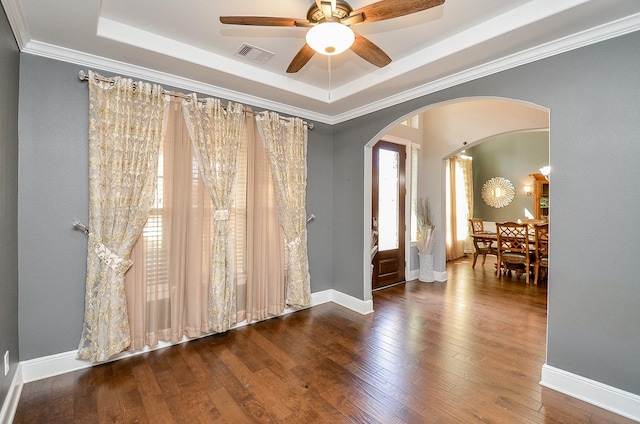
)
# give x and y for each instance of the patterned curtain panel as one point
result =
(286, 144)
(466, 164)
(126, 128)
(459, 181)
(216, 135)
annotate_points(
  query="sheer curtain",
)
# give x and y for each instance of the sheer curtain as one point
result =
(459, 185)
(168, 284)
(265, 252)
(286, 144)
(126, 128)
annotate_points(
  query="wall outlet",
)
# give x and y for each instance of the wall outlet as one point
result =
(6, 363)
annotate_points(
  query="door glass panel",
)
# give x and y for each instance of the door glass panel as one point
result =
(388, 174)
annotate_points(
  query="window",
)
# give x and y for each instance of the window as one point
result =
(413, 122)
(168, 284)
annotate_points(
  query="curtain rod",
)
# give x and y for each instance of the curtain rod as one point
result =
(85, 77)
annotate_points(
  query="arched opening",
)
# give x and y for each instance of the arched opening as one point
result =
(447, 128)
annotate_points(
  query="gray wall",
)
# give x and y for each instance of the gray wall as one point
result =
(593, 94)
(9, 70)
(320, 204)
(53, 191)
(512, 156)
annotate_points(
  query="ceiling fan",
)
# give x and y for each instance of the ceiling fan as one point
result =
(330, 33)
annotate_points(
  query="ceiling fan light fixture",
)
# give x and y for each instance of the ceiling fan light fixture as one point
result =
(330, 38)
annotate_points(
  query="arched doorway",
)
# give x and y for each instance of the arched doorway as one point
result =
(448, 128)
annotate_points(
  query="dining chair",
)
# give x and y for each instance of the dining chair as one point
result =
(513, 248)
(541, 236)
(482, 246)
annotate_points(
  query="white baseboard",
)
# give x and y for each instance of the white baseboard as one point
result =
(61, 363)
(606, 397)
(10, 404)
(439, 276)
(363, 307)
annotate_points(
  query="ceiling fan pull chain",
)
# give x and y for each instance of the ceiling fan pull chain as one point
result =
(329, 72)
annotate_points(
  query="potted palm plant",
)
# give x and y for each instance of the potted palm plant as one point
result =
(425, 241)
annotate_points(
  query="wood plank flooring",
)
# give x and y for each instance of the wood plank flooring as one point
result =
(468, 350)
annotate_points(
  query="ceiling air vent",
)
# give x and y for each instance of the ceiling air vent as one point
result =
(254, 53)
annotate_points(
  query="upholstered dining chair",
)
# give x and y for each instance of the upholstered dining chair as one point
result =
(482, 246)
(513, 248)
(541, 234)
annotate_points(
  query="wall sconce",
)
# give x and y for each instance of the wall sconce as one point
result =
(527, 189)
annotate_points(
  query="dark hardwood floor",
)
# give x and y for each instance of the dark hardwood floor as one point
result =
(468, 350)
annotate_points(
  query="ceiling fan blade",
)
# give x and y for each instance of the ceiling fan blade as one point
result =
(389, 9)
(370, 52)
(300, 59)
(260, 21)
(352, 19)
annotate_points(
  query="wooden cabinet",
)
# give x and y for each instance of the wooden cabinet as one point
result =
(540, 196)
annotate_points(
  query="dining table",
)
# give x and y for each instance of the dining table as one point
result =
(493, 236)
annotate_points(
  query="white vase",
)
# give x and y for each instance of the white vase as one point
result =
(426, 268)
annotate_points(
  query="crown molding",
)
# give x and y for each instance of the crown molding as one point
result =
(591, 36)
(562, 45)
(134, 71)
(17, 22)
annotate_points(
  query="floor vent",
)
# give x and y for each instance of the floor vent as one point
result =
(253, 53)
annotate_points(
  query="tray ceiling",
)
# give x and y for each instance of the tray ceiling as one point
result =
(183, 44)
